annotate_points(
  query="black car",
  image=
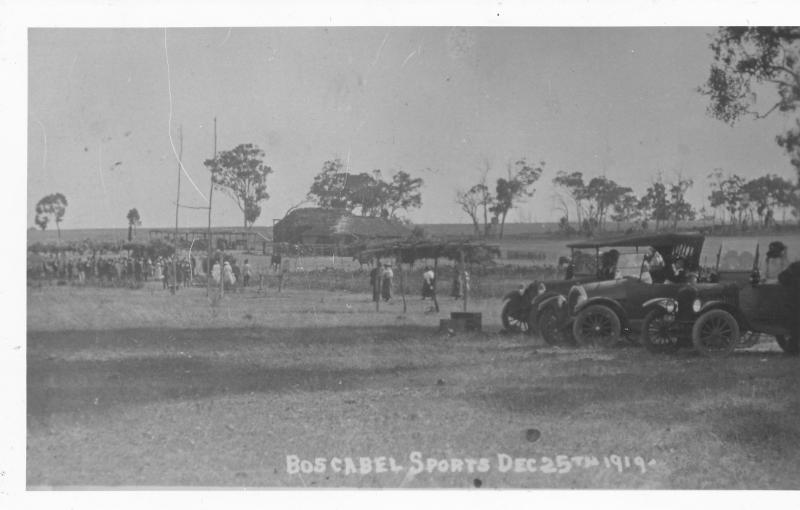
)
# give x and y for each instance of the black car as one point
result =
(549, 307)
(715, 318)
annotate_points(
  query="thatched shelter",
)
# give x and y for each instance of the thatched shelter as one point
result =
(316, 225)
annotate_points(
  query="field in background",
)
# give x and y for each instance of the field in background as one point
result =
(137, 387)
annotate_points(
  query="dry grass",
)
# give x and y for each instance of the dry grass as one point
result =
(138, 388)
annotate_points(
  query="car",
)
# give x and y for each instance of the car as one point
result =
(549, 307)
(715, 319)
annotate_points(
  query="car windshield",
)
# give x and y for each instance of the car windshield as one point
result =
(630, 264)
(585, 263)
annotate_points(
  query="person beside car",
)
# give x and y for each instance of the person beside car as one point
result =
(678, 271)
(608, 265)
(790, 277)
(777, 260)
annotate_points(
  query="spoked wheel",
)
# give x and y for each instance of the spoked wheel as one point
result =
(511, 322)
(789, 344)
(660, 332)
(596, 325)
(715, 333)
(551, 328)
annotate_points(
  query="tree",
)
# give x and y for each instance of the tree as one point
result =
(133, 221)
(766, 193)
(626, 208)
(476, 200)
(655, 203)
(518, 185)
(573, 184)
(371, 195)
(679, 208)
(730, 195)
(242, 174)
(403, 193)
(469, 201)
(602, 193)
(752, 60)
(51, 206)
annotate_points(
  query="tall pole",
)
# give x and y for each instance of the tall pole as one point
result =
(208, 236)
(174, 282)
(463, 277)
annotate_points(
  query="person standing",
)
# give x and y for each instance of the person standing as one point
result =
(375, 281)
(227, 275)
(790, 278)
(455, 292)
(247, 271)
(428, 280)
(777, 260)
(216, 271)
(386, 282)
(237, 273)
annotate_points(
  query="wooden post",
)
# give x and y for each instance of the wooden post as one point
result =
(463, 278)
(435, 279)
(208, 235)
(376, 289)
(174, 283)
(402, 280)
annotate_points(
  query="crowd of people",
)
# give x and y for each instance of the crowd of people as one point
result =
(120, 268)
(112, 268)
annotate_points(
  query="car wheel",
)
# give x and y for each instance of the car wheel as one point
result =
(551, 329)
(660, 332)
(510, 321)
(715, 333)
(789, 344)
(596, 325)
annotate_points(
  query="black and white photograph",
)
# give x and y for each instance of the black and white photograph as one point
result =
(409, 256)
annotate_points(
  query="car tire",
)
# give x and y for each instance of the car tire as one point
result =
(597, 325)
(789, 344)
(548, 324)
(512, 324)
(715, 333)
(658, 337)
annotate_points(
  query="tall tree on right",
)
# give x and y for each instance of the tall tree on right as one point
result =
(752, 60)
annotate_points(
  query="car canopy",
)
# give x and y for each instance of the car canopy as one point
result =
(687, 245)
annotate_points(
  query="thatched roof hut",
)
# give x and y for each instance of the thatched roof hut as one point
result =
(316, 225)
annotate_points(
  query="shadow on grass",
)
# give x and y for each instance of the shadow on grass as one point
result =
(221, 338)
(758, 429)
(63, 377)
(644, 392)
(89, 386)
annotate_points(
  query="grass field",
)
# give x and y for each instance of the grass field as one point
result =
(135, 387)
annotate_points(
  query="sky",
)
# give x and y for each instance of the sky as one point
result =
(105, 107)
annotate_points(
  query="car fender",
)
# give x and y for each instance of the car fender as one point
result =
(541, 298)
(662, 302)
(721, 305)
(610, 303)
(556, 299)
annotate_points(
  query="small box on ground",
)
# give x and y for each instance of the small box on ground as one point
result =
(472, 320)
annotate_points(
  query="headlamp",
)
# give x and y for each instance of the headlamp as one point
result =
(696, 305)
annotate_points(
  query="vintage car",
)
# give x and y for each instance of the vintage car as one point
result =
(549, 307)
(715, 319)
